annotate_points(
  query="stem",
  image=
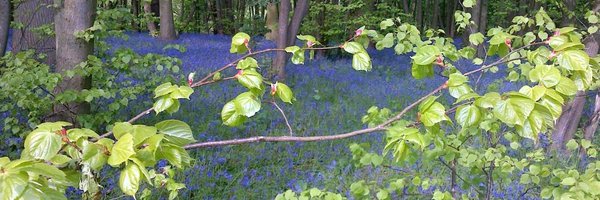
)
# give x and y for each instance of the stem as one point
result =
(284, 117)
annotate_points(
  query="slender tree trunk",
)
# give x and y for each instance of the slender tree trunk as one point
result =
(148, 11)
(436, 14)
(483, 17)
(405, 6)
(271, 21)
(4, 22)
(135, 11)
(567, 123)
(280, 58)
(300, 11)
(592, 46)
(219, 17)
(72, 16)
(33, 14)
(167, 24)
(419, 14)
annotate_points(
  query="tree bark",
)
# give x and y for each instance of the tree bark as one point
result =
(436, 14)
(280, 58)
(152, 28)
(4, 23)
(567, 123)
(568, 12)
(72, 16)
(271, 21)
(419, 14)
(33, 14)
(135, 11)
(300, 11)
(405, 6)
(167, 24)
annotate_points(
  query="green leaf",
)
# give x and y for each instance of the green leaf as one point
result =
(535, 93)
(13, 186)
(386, 42)
(176, 155)
(121, 151)
(361, 61)
(426, 55)
(468, 115)
(568, 181)
(246, 63)
(176, 131)
(422, 71)
(432, 114)
(545, 74)
(250, 79)
(353, 47)
(476, 38)
(230, 116)
(247, 104)
(284, 92)
(553, 101)
(386, 23)
(93, 155)
(121, 128)
(141, 133)
(76, 133)
(162, 104)
(42, 144)
(308, 38)
(182, 92)
(572, 145)
(468, 3)
(164, 89)
(130, 179)
(457, 79)
(238, 43)
(297, 54)
(514, 110)
(573, 60)
(566, 86)
(537, 121)
(53, 126)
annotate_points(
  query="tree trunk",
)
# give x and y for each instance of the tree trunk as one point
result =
(148, 11)
(568, 13)
(271, 21)
(483, 17)
(436, 14)
(591, 126)
(405, 6)
(135, 11)
(219, 17)
(72, 16)
(300, 11)
(419, 14)
(567, 123)
(167, 24)
(4, 23)
(33, 14)
(280, 58)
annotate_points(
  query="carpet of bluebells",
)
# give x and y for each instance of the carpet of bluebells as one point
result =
(332, 98)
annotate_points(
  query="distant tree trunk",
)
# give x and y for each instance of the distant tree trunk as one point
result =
(167, 24)
(135, 11)
(567, 123)
(478, 12)
(568, 12)
(436, 14)
(148, 11)
(300, 11)
(419, 14)
(450, 24)
(592, 45)
(219, 18)
(33, 14)
(72, 16)
(271, 21)
(282, 26)
(405, 6)
(483, 17)
(4, 23)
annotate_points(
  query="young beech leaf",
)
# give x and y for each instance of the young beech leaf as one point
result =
(121, 151)
(230, 116)
(284, 92)
(361, 61)
(130, 178)
(238, 43)
(176, 131)
(250, 79)
(353, 47)
(43, 144)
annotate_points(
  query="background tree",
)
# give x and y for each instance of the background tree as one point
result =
(33, 19)
(4, 24)
(167, 24)
(73, 16)
(287, 31)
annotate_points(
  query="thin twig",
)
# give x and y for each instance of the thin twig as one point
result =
(284, 117)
